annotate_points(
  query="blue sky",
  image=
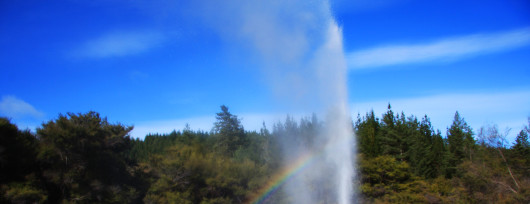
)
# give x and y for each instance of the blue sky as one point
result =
(160, 64)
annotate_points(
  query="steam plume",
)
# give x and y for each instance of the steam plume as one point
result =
(299, 47)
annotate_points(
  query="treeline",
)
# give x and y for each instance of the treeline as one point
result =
(82, 158)
(403, 159)
(75, 158)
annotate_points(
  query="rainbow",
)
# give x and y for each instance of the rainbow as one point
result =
(283, 176)
(288, 172)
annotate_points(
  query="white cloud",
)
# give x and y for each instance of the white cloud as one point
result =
(444, 49)
(13, 107)
(508, 109)
(120, 43)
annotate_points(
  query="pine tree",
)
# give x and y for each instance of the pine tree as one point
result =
(390, 138)
(403, 138)
(229, 132)
(421, 149)
(411, 129)
(437, 157)
(460, 142)
(521, 149)
(522, 145)
(368, 132)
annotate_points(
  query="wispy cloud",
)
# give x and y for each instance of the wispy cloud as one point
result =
(343, 6)
(444, 49)
(16, 108)
(120, 43)
(506, 109)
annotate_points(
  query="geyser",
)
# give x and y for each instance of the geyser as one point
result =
(328, 172)
(299, 47)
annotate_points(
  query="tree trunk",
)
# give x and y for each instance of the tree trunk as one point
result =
(509, 170)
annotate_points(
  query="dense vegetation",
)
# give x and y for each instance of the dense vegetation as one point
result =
(404, 160)
(83, 158)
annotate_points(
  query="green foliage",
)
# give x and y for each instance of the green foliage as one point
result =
(368, 131)
(203, 177)
(386, 180)
(83, 158)
(405, 139)
(384, 170)
(229, 132)
(17, 165)
(24, 193)
(17, 152)
(391, 137)
(521, 142)
(460, 141)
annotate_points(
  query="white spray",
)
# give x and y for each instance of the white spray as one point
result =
(299, 46)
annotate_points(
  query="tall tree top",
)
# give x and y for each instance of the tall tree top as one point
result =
(388, 117)
(227, 122)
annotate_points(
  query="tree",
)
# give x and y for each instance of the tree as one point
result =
(420, 148)
(229, 132)
(497, 140)
(460, 142)
(522, 145)
(401, 129)
(84, 159)
(19, 181)
(521, 141)
(17, 152)
(391, 140)
(309, 129)
(436, 157)
(368, 132)
(520, 154)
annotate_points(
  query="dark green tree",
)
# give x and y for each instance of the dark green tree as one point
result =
(522, 145)
(391, 140)
(460, 142)
(368, 133)
(435, 164)
(421, 146)
(84, 159)
(521, 152)
(401, 129)
(19, 172)
(229, 133)
(17, 152)
(413, 140)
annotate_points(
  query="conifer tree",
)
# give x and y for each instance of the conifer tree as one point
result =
(390, 138)
(522, 144)
(521, 150)
(436, 157)
(229, 132)
(460, 141)
(421, 146)
(368, 132)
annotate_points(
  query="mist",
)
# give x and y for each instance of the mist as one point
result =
(299, 49)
